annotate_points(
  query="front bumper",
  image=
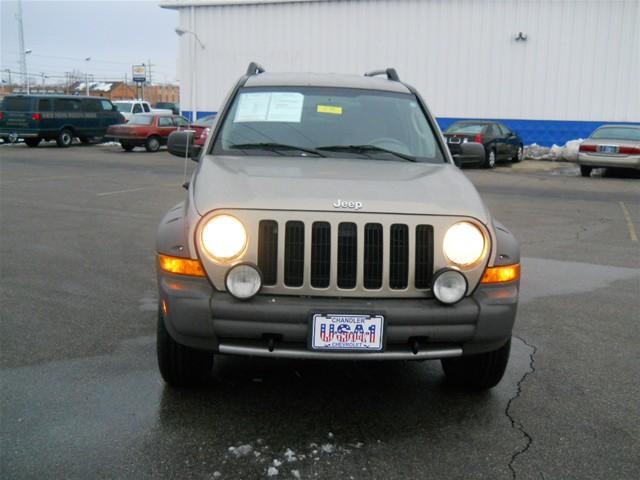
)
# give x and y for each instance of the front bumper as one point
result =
(277, 326)
(614, 161)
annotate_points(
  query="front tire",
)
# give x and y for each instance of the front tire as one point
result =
(32, 142)
(490, 161)
(152, 144)
(180, 366)
(585, 171)
(519, 155)
(478, 372)
(65, 138)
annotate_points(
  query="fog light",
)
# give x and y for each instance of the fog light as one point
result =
(449, 286)
(243, 281)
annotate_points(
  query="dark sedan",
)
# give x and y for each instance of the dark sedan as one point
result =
(500, 143)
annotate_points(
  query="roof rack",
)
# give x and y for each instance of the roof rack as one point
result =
(255, 69)
(389, 72)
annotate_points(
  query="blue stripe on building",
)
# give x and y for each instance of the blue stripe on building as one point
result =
(542, 132)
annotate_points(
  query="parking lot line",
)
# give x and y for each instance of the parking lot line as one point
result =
(44, 179)
(104, 194)
(632, 228)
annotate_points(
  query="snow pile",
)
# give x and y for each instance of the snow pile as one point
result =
(567, 152)
(273, 464)
(95, 86)
(241, 451)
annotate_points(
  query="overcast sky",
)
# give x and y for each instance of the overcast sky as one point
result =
(114, 33)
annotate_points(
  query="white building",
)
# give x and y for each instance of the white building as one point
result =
(552, 70)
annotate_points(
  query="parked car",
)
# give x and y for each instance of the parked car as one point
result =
(610, 146)
(327, 220)
(499, 142)
(34, 118)
(149, 130)
(168, 106)
(202, 128)
(128, 108)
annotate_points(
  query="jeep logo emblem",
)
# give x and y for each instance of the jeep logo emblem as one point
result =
(345, 204)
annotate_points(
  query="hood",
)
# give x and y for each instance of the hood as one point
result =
(316, 184)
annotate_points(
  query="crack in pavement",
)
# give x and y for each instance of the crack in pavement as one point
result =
(514, 423)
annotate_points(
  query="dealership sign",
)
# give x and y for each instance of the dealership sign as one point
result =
(139, 73)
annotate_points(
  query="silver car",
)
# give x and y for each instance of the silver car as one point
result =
(610, 146)
(327, 220)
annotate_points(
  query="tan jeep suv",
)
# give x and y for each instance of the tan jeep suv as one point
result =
(326, 219)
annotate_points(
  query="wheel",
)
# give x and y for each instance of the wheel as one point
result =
(126, 145)
(152, 144)
(585, 171)
(478, 372)
(65, 138)
(490, 161)
(180, 366)
(519, 155)
(32, 142)
(85, 140)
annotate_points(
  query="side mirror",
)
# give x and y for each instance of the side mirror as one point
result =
(180, 144)
(469, 152)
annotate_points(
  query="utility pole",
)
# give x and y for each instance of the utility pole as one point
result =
(9, 75)
(23, 55)
(150, 78)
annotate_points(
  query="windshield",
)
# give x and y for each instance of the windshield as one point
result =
(141, 120)
(465, 128)
(617, 133)
(123, 106)
(332, 122)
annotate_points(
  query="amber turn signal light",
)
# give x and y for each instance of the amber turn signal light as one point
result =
(501, 274)
(181, 266)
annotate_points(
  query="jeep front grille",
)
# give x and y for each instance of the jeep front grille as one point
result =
(356, 263)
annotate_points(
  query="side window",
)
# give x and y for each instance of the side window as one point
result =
(45, 105)
(92, 106)
(146, 107)
(181, 121)
(165, 122)
(67, 105)
(492, 131)
(506, 132)
(137, 108)
(107, 106)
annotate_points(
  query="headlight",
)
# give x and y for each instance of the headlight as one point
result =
(224, 238)
(449, 286)
(464, 244)
(243, 281)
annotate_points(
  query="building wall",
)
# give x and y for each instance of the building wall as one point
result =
(578, 68)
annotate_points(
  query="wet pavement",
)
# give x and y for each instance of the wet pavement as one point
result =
(82, 398)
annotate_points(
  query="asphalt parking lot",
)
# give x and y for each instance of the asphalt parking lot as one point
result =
(82, 397)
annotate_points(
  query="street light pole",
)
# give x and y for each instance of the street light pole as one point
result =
(86, 77)
(26, 70)
(193, 74)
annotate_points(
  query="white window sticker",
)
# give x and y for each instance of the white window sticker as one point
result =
(253, 107)
(270, 107)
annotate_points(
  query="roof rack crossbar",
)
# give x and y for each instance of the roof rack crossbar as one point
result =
(255, 69)
(389, 72)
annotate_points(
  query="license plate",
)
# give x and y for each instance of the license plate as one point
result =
(347, 332)
(608, 149)
(454, 140)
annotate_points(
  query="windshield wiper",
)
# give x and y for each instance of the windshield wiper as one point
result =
(274, 147)
(363, 149)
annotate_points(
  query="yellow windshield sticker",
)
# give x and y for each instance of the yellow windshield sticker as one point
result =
(330, 109)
